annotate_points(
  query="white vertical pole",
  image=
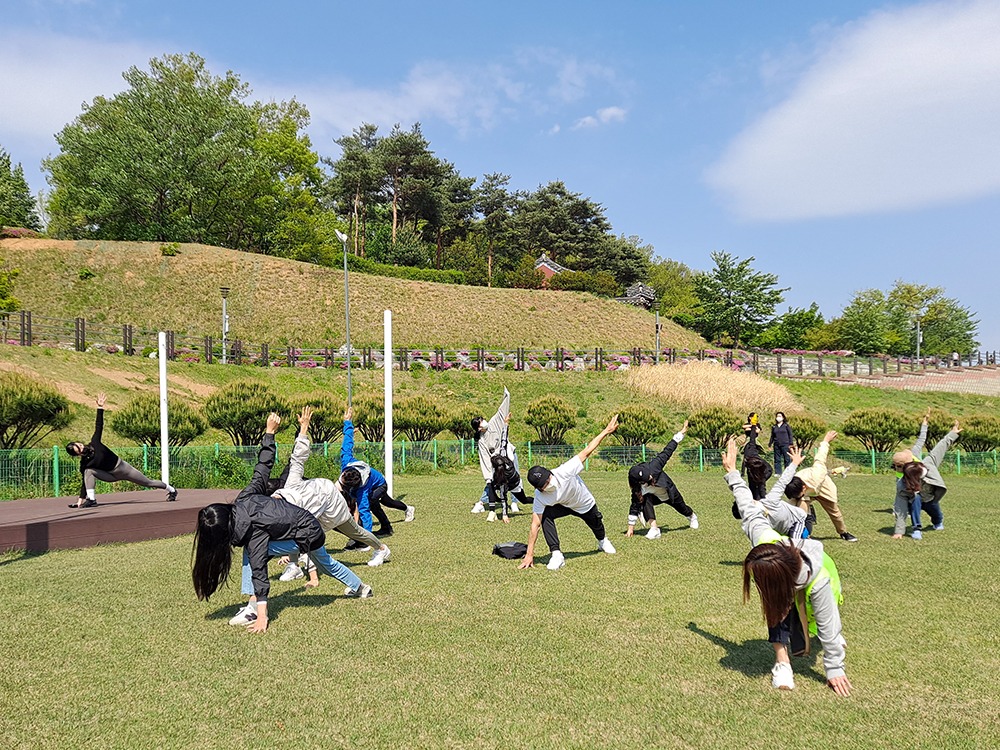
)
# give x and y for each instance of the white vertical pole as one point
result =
(387, 370)
(164, 437)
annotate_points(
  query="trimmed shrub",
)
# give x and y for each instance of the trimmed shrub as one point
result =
(170, 249)
(30, 410)
(980, 433)
(460, 425)
(552, 418)
(327, 419)
(600, 283)
(364, 265)
(878, 429)
(639, 425)
(240, 410)
(806, 429)
(139, 421)
(939, 424)
(419, 418)
(369, 418)
(713, 426)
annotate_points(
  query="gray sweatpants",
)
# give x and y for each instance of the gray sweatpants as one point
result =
(351, 530)
(123, 472)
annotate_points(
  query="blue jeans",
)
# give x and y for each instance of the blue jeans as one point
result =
(319, 556)
(782, 459)
(915, 508)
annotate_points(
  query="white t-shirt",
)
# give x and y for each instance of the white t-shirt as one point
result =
(565, 488)
(652, 489)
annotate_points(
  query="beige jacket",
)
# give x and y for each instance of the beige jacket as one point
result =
(817, 479)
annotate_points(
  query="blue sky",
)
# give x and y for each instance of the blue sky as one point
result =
(843, 144)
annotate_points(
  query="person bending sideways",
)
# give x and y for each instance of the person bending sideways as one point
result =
(649, 485)
(367, 487)
(798, 583)
(921, 484)
(263, 526)
(816, 482)
(493, 447)
(97, 461)
(561, 492)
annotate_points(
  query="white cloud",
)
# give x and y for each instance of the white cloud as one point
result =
(602, 117)
(899, 111)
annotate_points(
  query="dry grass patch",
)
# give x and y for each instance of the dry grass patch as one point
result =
(698, 385)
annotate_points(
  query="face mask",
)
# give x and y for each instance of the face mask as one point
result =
(779, 420)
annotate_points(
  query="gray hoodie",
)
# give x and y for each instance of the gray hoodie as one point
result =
(932, 474)
(491, 441)
(756, 524)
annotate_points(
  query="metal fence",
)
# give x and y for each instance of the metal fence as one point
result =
(52, 473)
(25, 328)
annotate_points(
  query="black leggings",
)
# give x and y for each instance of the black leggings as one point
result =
(592, 518)
(498, 496)
(648, 501)
(378, 498)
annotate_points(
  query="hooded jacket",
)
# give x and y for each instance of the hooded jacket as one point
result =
(320, 496)
(370, 477)
(259, 519)
(491, 441)
(641, 474)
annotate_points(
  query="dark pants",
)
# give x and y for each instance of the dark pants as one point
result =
(498, 496)
(592, 518)
(378, 498)
(782, 458)
(930, 499)
(645, 504)
(790, 632)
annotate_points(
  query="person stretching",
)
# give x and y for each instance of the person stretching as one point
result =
(815, 482)
(923, 477)
(561, 492)
(97, 461)
(798, 583)
(492, 443)
(650, 485)
(366, 486)
(264, 526)
(324, 499)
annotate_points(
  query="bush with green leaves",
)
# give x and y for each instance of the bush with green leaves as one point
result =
(419, 418)
(878, 429)
(980, 433)
(369, 418)
(327, 416)
(30, 410)
(713, 426)
(240, 410)
(552, 418)
(139, 421)
(639, 425)
(460, 425)
(939, 423)
(806, 429)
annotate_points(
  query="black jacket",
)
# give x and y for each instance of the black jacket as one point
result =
(96, 455)
(781, 435)
(260, 519)
(640, 473)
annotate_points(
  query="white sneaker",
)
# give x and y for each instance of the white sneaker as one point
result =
(514, 508)
(246, 615)
(556, 561)
(379, 557)
(365, 592)
(478, 508)
(291, 572)
(410, 512)
(782, 677)
(693, 521)
(654, 533)
(605, 545)
(491, 517)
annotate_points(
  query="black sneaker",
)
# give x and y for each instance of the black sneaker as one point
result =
(383, 532)
(353, 545)
(848, 537)
(172, 496)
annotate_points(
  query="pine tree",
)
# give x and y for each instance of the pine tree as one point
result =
(17, 206)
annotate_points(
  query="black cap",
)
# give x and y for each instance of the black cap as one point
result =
(538, 476)
(639, 474)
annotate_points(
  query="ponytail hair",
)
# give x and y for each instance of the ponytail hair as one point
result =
(774, 568)
(212, 553)
(913, 476)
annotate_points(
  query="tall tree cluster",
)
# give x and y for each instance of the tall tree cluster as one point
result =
(17, 206)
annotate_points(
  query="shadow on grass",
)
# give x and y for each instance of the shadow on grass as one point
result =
(571, 555)
(882, 510)
(731, 563)
(754, 658)
(17, 555)
(284, 600)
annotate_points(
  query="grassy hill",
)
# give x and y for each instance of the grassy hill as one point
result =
(80, 376)
(288, 302)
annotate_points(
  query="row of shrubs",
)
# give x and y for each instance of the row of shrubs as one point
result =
(30, 410)
(412, 273)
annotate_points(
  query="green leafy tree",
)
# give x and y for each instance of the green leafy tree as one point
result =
(30, 410)
(327, 421)
(17, 207)
(419, 418)
(240, 410)
(864, 323)
(792, 329)
(356, 184)
(600, 283)
(626, 259)
(8, 302)
(410, 172)
(736, 301)
(564, 225)
(460, 425)
(639, 425)
(495, 204)
(877, 429)
(369, 418)
(552, 418)
(139, 421)
(524, 275)
(945, 324)
(674, 285)
(807, 430)
(713, 426)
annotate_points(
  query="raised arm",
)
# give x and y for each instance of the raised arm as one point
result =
(99, 420)
(593, 444)
(772, 500)
(300, 453)
(347, 446)
(755, 524)
(660, 459)
(265, 460)
(936, 456)
(821, 455)
(918, 446)
(499, 420)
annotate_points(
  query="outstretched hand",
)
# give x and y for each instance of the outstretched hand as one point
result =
(273, 421)
(684, 428)
(828, 437)
(348, 413)
(729, 457)
(304, 416)
(529, 562)
(795, 453)
(102, 398)
(955, 427)
(612, 425)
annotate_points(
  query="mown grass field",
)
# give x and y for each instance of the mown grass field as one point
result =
(288, 302)
(107, 647)
(80, 376)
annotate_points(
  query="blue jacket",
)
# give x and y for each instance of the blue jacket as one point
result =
(370, 478)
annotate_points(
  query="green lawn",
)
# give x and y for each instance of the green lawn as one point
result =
(108, 648)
